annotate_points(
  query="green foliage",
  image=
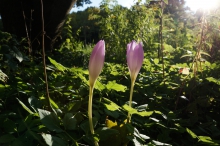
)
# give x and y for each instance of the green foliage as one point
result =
(177, 109)
(120, 25)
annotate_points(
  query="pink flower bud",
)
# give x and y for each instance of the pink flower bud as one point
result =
(135, 57)
(96, 61)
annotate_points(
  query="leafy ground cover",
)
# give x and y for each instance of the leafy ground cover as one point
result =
(176, 97)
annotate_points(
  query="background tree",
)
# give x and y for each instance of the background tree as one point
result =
(87, 29)
(23, 18)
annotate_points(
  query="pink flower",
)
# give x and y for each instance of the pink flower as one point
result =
(135, 57)
(96, 61)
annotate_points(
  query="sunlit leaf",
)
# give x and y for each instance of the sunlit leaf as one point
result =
(25, 107)
(110, 105)
(134, 111)
(193, 135)
(211, 79)
(112, 85)
(207, 140)
(59, 66)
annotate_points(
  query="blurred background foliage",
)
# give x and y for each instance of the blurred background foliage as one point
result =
(176, 101)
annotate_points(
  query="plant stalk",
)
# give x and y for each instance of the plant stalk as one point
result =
(91, 88)
(130, 99)
(161, 36)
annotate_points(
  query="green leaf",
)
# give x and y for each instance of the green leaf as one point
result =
(59, 66)
(69, 121)
(9, 125)
(85, 125)
(110, 105)
(166, 1)
(99, 86)
(53, 141)
(193, 135)
(211, 79)
(24, 106)
(156, 61)
(16, 53)
(3, 76)
(104, 133)
(53, 104)
(204, 53)
(112, 85)
(207, 140)
(134, 111)
(34, 103)
(7, 138)
(50, 120)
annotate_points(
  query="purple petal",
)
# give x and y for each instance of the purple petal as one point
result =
(96, 61)
(135, 56)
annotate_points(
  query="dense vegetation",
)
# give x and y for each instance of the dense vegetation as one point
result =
(176, 97)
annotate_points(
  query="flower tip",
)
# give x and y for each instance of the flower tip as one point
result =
(135, 57)
(96, 61)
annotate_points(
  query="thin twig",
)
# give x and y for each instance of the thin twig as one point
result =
(26, 29)
(44, 60)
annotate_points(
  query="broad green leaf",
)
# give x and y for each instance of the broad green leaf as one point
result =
(104, 133)
(99, 86)
(9, 125)
(7, 138)
(85, 125)
(134, 111)
(156, 61)
(53, 140)
(112, 85)
(207, 140)
(110, 105)
(34, 103)
(69, 121)
(168, 48)
(50, 120)
(211, 79)
(145, 113)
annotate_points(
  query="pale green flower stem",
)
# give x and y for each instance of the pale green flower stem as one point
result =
(130, 100)
(90, 112)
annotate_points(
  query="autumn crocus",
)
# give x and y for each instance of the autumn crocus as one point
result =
(96, 63)
(135, 57)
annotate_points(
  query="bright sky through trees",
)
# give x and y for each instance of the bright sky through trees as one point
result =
(193, 4)
(203, 4)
